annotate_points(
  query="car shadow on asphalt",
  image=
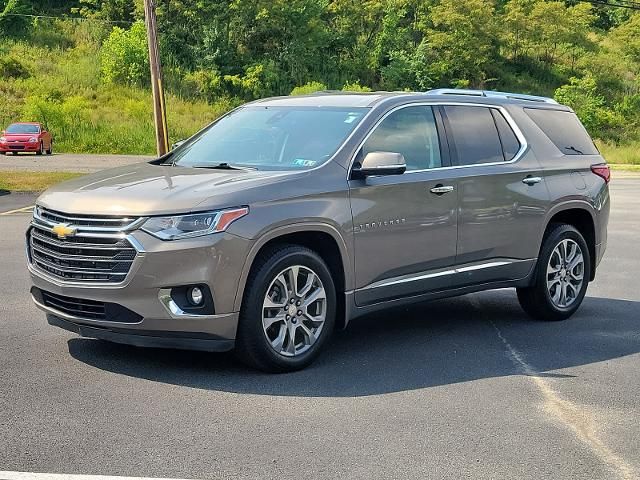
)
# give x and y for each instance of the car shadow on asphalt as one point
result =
(431, 344)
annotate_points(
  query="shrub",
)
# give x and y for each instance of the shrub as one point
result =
(582, 95)
(309, 87)
(124, 56)
(12, 68)
(355, 87)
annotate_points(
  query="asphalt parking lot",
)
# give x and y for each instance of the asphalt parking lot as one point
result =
(459, 388)
(67, 162)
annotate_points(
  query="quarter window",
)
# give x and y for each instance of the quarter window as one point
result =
(475, 135)
(564, 130)
(510, 143)
(410, 131)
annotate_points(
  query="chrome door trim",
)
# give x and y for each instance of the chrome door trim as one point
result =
(524, 145)
(414, 277)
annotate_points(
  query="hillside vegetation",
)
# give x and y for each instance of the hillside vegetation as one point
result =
(85, 72)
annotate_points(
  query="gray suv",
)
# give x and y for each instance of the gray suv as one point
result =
(289, 217)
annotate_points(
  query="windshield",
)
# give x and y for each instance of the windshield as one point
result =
(22, 128)
(271, 138)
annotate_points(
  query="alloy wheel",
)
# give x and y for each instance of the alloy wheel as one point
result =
(565, 273)
(294, 311)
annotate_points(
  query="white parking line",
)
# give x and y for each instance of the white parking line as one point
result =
(18, 210)
(63, 476)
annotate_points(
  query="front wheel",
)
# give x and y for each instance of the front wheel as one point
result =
(40, 149)
(50, 149)
(288, 312)
(561, 277)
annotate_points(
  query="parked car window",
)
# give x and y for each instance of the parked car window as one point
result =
(510, 143)
(22, 128)
(564, 130)
(271, 138)
(410, 131)
(475, 135)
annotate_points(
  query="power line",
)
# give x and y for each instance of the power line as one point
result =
(80, 19)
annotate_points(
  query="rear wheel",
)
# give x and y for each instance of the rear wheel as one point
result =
(561, 277)
(41, 149)
(288, 312)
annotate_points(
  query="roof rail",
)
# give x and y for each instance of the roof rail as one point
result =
(490, 93)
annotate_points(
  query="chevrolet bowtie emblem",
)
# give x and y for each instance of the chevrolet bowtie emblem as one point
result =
(63, 230)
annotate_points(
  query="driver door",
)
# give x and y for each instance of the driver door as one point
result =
(405, 226)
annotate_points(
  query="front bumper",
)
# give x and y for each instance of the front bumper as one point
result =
(214, 260)
(19, 147)
(148, 339)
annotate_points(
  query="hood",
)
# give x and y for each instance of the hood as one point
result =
(145, 189)
(19, 137)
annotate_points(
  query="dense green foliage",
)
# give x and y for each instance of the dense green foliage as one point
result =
(217, 53)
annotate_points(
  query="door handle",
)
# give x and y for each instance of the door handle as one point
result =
(531, 180)
(441, 189)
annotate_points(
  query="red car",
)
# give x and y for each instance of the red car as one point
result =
(26, 137)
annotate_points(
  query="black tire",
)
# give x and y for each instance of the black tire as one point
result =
(536, 300)
(252, 346)
(41, 149)
(50, 149)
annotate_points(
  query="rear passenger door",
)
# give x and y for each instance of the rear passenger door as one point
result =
(502, 197)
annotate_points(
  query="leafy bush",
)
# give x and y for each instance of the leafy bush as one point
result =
(124, 56)
(355, 87)
(12, 68)
(308, 88)
(582, 95)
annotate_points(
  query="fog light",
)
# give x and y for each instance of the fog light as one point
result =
(195, 296)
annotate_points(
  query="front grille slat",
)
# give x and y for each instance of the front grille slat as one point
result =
(76, 307)
(103, 257)
(84, 309)
(77, 269)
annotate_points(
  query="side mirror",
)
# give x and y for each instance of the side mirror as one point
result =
(382, 163)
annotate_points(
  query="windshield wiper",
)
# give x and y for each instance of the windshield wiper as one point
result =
(222, 166)
(574, 149)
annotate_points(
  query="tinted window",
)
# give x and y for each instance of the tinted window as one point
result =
(564, 130)
(271, 138)
(410, 131)
(475, 135)
(510, 143)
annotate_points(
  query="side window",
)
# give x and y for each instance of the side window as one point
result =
(410, 131)
(475, 135)
(564, 130)
(510, 143)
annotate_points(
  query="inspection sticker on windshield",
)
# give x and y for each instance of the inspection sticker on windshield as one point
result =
(301, 162)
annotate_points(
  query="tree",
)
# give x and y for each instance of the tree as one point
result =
(124, 56)
(461, 45)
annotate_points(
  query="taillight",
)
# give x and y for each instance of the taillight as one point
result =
(603, 171)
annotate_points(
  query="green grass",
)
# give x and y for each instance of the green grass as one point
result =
(63, 89)
(624, 167)
(628, 154)
(22, 181)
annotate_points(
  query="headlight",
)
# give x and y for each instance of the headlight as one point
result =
(192, 225)
(3, 139)
(33, 140)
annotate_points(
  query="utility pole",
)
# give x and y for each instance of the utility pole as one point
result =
(159, 112)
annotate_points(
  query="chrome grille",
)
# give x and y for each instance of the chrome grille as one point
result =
(98, 252)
